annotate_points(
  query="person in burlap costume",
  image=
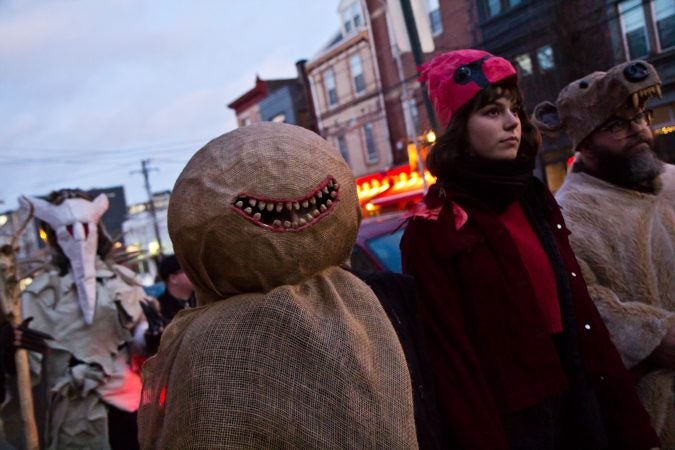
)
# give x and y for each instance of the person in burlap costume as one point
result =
(619, 203)
(285, 349)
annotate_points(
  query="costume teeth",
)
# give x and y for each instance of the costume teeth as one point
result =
(636, 100)
(289, 214)
(658, 90)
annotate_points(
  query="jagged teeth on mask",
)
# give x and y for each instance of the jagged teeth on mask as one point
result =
(322, 208)
(636, 100)
(261, 205)
(289, 206)
(315, 213)
(257, 216)
(277, 223)
(248, 211)
(239, 204)
(270, 206)
(302, 221)
(309, 217)
(658, 90)
(336, 185)
(325, 190)
(305, 204)
(312, 200)
(252, 201)
(295, 224)
(333, 194)
(279, 207)
(319, 195)
(296, 206)
(287, 224)
(330, 183)
(329, 203)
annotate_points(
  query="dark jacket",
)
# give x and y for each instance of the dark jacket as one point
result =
(490, 348)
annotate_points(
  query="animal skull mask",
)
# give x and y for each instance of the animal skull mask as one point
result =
(75, 222)
(260, 207)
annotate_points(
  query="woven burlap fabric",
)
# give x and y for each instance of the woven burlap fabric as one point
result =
(287, 350)
(222, 252)
(299, 367)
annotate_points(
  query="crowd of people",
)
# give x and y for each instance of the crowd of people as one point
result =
(523, 320)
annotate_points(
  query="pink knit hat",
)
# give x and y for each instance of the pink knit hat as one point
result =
(455, 77)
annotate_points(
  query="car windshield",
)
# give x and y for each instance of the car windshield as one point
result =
(386, 249)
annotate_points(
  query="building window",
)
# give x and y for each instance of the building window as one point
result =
(634, 28)
(245, 121)
(331, 91)
(524, 64)
(545, 58)
(356, 14)
(435, 17)
(357, 73)
(494, 7)
(352, 17)
(664, 15)
(371, 150)
(342, 146)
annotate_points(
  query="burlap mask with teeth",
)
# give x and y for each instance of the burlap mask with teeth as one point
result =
(585, 104)
(289, 351)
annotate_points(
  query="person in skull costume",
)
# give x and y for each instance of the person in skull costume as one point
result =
(619, 201)
(521, 356)
(285, 349)
(91, 308)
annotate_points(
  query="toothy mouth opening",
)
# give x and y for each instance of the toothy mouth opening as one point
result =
(290, 214)
(641, 96)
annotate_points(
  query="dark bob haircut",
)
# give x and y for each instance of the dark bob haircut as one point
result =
(454, 143)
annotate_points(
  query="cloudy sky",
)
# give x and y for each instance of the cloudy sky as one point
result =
(89, 88)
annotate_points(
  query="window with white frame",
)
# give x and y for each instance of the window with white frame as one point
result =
(435, 17)
(634, 28)
(331, 91)
(524, 64)
(545, 58)
(342, 147)
(352, 17)
(371, 149)
(664, 19)
(357, 73)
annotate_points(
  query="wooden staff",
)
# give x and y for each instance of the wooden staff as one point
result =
(11, 308)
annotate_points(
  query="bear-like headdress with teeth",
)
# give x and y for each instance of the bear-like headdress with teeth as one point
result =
(585, 104)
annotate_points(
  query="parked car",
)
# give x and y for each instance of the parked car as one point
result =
(377, 244)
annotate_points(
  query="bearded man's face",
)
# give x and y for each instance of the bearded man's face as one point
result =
(621, 150)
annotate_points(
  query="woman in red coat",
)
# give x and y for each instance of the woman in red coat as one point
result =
(521, 357)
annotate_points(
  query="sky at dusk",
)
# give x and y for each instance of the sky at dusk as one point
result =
(90, 88)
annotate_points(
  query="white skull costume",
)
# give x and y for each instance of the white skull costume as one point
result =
(75, 222)
(91, 310)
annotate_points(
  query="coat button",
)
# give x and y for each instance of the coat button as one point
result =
(573, 274)
(587, 326)
(558, 226)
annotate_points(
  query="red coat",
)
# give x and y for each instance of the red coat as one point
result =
(489, 346)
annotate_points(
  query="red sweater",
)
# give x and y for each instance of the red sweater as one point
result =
(537, 264)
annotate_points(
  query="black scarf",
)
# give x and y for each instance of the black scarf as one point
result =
(495, 183)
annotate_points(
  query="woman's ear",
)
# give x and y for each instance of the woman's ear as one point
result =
(546, 119)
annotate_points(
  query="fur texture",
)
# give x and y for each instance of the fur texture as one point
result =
(625, 243)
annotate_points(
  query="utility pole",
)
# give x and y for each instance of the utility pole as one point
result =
(416, 48)
(145, 163)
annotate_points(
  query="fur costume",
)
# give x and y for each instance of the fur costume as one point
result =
(286, 350)
(625, 243)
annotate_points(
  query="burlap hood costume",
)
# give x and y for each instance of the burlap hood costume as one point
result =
(287, 350)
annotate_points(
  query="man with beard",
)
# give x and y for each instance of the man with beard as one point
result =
(619, 203)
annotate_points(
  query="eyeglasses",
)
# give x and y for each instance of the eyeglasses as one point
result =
(620, 127)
